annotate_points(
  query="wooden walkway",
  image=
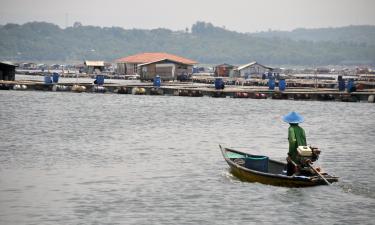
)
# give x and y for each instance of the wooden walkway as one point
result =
(198, 90)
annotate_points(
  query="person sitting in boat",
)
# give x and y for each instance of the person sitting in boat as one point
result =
(296, 137)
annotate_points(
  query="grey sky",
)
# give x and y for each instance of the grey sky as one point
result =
(239, 15)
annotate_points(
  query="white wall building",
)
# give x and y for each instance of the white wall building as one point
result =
(252, 69)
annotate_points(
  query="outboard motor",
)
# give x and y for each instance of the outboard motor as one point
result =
(306, 155)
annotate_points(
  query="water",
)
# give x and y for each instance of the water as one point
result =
(69, 158)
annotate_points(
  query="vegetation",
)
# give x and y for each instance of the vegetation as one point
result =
(205, 43)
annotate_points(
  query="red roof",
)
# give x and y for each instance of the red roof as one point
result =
(148, 57)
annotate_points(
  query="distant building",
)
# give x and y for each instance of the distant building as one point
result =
(7, 71)
(92, 66)
(323, 70)
(167, 70)
(252, 69)
(28, 66)
(362, 70)
(224, 70)
(42, 66)
(155, 63)
(55, 66)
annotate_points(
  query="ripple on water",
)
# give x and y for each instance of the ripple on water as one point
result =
(106, 159)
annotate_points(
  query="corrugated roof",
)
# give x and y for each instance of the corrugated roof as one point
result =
(224, 65)
(250, 64)
(7, 63)
(148, 57)
(94, 63)
(148, 63)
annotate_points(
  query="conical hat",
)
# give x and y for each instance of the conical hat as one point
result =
(293, 117)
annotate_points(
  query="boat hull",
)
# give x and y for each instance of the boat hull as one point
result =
(249, 175)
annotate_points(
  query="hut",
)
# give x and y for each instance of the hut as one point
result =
(133, 64)
(224, 70)
(92, 66)
(28, 66)
(7, 71)
(167, 69)
(252, 69)
(323, 70)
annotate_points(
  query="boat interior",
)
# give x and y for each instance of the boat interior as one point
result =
(257, 162)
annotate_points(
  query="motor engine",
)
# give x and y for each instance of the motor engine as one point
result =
(307, 155)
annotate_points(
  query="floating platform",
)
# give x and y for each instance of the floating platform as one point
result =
(198, 90)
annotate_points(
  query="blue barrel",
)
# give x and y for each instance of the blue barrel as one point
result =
(99, 79)
(55, 77)
(47, 79)
(351, 86)
(219, 83)
(271, 84)
(257, 162)
(341, 85)
(157, 81)
(282, 85)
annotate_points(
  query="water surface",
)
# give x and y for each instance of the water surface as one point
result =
(68, 158)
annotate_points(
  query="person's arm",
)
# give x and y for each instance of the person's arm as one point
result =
(292, 138)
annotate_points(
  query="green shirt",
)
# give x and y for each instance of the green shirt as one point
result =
(296, 137)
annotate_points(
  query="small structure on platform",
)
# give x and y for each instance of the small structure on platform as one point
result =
(56, 67)
(28, 66)
(7, 71)
(150, 64)
(130, 65)
(167, 70)
(323, 70)
(92, 66)
(224, 70)
(252, 69)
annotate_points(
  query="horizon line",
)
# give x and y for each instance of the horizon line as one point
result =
(217, 26)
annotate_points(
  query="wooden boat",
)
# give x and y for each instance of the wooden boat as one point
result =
(254, 168)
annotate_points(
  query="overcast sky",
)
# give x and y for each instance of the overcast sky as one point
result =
(239, 15)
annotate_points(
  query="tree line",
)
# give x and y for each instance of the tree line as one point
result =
(204, 42)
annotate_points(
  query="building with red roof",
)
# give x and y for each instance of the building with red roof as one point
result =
(150, 64)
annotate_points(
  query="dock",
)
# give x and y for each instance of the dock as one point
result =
(197, 90)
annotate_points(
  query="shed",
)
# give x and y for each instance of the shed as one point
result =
(91, 66)
(167, 69)
(28, 66)
(224, 70)
(129, 65)
(7, 71)
(253, 68)
(322, 70)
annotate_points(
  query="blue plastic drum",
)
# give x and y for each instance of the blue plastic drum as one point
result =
(157, 81)
(47, 79)
(99, 79)
(351, 86)
(55, 77)
(341, 85)
(219, 83)
(282, 85)
(271, 84)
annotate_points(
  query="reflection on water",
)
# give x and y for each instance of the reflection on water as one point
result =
(70, 158)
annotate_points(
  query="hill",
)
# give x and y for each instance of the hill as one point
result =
(40, 41)
(354, 34)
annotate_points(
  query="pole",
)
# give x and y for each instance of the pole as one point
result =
(319, 174)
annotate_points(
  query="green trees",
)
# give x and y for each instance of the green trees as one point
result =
(40, 41)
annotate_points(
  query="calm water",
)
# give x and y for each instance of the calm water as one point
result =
(68, 158)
